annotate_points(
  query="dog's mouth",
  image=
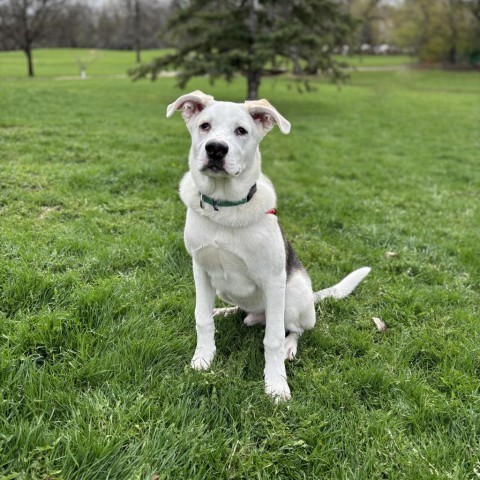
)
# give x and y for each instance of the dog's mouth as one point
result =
(214, 169)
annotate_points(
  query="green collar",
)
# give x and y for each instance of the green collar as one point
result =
(226, 203)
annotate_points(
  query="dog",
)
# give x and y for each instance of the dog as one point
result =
(239, 251)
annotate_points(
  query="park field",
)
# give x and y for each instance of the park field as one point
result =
(97, 295)
(64, 63)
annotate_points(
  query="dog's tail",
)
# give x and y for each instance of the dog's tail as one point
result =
(344, 287)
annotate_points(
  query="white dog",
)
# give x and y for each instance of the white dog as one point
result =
(238, 249)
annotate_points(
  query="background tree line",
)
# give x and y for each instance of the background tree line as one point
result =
(113, 24)
(446, 31)
(434, 30)
(254, 37)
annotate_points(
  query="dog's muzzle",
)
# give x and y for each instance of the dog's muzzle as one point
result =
(216, 153)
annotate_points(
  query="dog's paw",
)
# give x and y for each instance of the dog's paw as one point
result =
(291, 345)
(202, 359)
(278, 390)
(290, 353)
(254, 319)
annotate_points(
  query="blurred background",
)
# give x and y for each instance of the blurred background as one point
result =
(250, 37)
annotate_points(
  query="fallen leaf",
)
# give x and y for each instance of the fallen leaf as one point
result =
(380, 324)
(391, 254)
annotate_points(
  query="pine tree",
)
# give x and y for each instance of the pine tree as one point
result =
(252, 38)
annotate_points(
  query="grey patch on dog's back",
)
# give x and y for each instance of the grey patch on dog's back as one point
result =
(292, 262)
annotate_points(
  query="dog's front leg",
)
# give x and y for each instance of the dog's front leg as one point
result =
(205, 300)
(275, 374)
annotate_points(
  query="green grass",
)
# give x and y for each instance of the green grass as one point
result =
(63, 62)
(97, 295)
(376, 60)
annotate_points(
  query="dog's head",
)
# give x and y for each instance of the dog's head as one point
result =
(225, 135)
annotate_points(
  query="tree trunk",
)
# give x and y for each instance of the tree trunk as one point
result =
(28, 53)
(452, 51)
(452, 55)
(312, 68)
(253, 76)
(297, 69)
(137, 30)
(253, 84)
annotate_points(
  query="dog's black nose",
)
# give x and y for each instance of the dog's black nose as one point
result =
(216, 150)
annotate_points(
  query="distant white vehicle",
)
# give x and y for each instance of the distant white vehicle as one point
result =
(382, 49)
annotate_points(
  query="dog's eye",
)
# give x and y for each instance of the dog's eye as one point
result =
(240, 131)
(205, 127)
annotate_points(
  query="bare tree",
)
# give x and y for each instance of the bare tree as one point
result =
(137, 12)
(132, 24)
(24, 21)
(452, 8)
(369, 16)
(73, 26)
(136, 30)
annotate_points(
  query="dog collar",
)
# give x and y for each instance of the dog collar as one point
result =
(226, 203)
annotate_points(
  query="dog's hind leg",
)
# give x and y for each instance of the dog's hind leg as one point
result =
(295, 325)
(254, 319)
(291, 345)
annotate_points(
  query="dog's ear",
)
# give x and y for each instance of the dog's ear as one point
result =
(265, 115)
(190, 104)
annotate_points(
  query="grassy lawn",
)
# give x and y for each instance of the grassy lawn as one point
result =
(63, 62)
(376, 60)
(58, 62)
(97, 295)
